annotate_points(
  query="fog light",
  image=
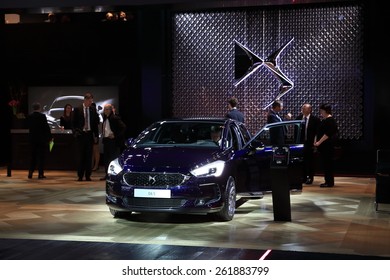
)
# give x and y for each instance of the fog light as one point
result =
(200, 202)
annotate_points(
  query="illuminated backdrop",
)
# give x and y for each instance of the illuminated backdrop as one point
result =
(324, 61)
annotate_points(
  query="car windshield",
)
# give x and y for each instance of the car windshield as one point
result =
(181, 133)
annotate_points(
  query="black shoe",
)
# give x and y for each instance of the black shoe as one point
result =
(41, 177)
(309, 181)
(79, 179)
(29, 176)
(88, 179)
(326, 185)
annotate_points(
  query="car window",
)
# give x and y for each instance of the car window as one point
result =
(290, 134)
(244, 132)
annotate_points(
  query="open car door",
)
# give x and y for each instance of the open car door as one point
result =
(257, 156)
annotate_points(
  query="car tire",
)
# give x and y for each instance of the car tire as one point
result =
(229, 207)
(119, 214)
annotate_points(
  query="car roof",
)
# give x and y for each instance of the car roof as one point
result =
(80, 97)
(196, 119)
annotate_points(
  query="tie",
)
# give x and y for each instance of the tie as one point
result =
(305, 118)
(86, 117)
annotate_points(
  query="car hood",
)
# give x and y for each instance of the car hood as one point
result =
(167, 159)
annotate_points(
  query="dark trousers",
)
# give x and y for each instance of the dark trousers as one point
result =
(84, 144)
(38, 151)
(327, 156)
(110, 151)
(308, 161)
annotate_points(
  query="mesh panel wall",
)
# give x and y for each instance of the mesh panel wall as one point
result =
(325, 62)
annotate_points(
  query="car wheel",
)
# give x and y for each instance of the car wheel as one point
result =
(119, 214)
(227, 212)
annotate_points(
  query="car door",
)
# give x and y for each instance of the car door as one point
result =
(259, 155)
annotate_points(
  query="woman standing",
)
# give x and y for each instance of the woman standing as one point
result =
(66, 118)
(324, 141)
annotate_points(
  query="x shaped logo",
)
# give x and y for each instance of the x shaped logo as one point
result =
(255, 62)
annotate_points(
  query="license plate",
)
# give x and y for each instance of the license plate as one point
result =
(150, 193)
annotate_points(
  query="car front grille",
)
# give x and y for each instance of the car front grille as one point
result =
(154, 203)
(154, 179)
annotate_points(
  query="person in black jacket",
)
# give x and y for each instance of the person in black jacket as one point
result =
(39, 138)
(324, 141)
(66, 118)
(308, 133)
(85, 127)
(277, 134)
(113, 133)
(233, 112)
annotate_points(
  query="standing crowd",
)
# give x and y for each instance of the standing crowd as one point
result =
(317, 134)
(88, 126)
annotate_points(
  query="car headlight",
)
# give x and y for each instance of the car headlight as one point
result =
(211, 169)
(114, 168)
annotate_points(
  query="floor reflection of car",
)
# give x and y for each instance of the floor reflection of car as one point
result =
(174, 166)
(56, 109)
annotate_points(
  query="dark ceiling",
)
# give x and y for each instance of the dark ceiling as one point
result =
(84, 6)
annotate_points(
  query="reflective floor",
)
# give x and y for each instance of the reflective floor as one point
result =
(61, 218)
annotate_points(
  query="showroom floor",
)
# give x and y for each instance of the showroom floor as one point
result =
(60, 218)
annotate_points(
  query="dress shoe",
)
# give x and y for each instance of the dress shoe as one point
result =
(29, 176)
(79, 179)
(88, 179)
(325, 185)
(309, 181)
(41, 177)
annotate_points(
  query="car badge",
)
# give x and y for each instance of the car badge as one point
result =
(152, 180)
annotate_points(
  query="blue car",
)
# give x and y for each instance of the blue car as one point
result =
(200, 166)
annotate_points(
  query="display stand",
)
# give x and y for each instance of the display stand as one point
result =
(382, 178)
(279, 183)
(61, 157)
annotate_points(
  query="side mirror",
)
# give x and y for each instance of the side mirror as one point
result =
(257, 144)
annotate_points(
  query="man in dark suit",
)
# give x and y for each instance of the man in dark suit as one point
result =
(39, 137)
(308, 133)
(85, 125)
(277, 134)
(233, 112)
(113, 132)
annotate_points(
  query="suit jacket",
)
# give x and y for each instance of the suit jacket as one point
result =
(312, 129)
(79, 120)
(235, 114)
(277, 134)
(118, 127)
(329, 127)
(39, 130)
